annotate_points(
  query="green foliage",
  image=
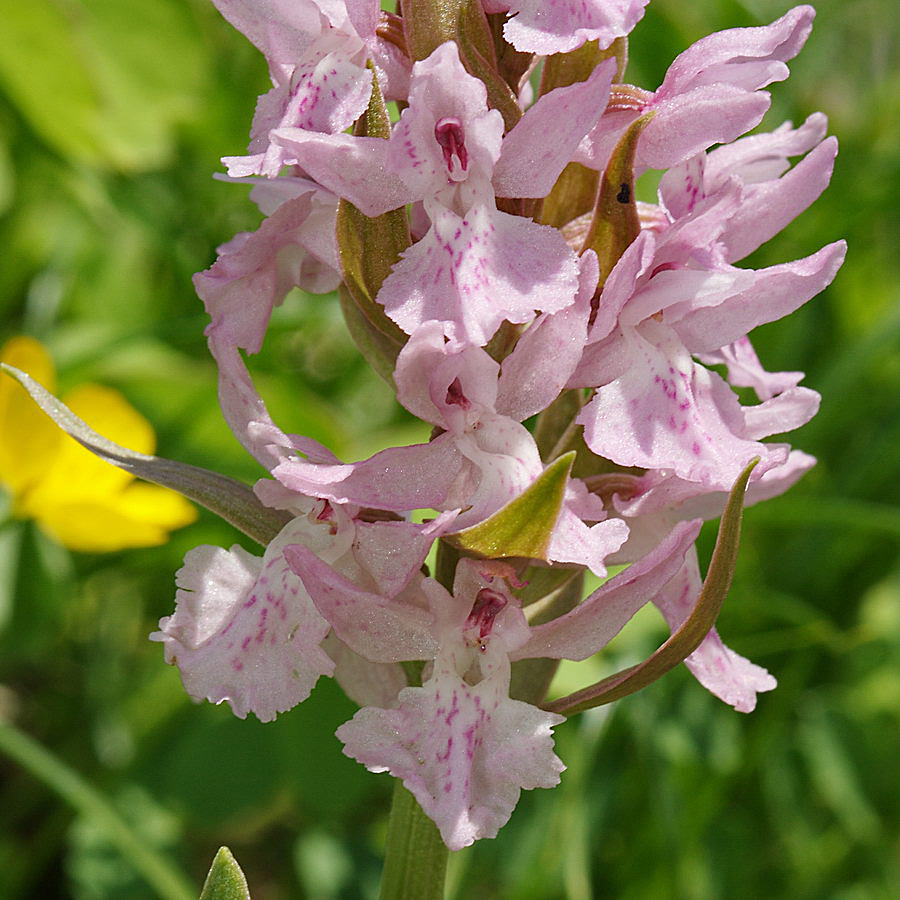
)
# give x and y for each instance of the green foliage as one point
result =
(112, 117)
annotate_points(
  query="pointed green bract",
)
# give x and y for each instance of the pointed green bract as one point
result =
(694, 628)
(524, 526)
(225, 880)
(229, 499)
(615, 222)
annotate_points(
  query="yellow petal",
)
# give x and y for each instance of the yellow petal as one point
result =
(139, 516)
(28, 438)
(90, 505)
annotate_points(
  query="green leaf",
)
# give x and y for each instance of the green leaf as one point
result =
(229, 499)
(524, 526)
(167, 880)
(225, 880)
(694, 628)
(45, 76)
(88, 79)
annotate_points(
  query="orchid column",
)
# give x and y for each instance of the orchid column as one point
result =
(464, 173)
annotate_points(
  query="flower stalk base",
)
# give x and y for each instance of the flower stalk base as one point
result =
(415, 857)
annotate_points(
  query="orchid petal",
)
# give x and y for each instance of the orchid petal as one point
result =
(745, 370)
(470, 273)
(774, 293)
(546, 355)
(427, 366)
(599, 618)
(789, 410)
(255, 270)
(767, 208)
(574, 542)
(450, 744)
(442, 91)
(377, 627)
(745, 57)
(244, 630)
(680, 416)
(399, 478)
(354, 168)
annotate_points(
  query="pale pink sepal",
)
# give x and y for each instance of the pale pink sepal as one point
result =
(529, 163)
(573, 541)
(727, 674)
(354, 168)
(772, 196)
(255, 270)
(749, 58)
(666, 498)
(599, 618)
(557, 26)
(243, 408)
(745, 369)
(546, 355)
(775, 292)
(770, 206)
(399, 478)
(711, 94)
(789, 410)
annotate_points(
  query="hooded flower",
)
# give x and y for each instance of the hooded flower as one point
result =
(294, 247)
(673, 295)
(484, 458)
(476, 265)
(244, 628)
(317, 62)
(460, 744)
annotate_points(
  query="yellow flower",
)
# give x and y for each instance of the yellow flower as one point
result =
(82, 501)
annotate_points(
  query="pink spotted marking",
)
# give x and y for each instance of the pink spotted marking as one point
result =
(448, 132)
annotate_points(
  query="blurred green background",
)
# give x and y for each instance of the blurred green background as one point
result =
(112, 118)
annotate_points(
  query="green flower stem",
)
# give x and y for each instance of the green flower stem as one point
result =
(167, 881)
(416, 858)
